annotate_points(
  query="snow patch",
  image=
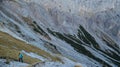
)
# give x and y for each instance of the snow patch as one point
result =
(33, 55)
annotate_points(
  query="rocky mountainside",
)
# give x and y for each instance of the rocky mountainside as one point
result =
(86, 31)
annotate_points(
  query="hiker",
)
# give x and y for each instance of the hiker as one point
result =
(20, 57)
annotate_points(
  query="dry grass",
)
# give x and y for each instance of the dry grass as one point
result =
(13, 54)
(10, 47)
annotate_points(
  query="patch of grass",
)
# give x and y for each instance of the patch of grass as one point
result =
(9, 53)
(10, 46)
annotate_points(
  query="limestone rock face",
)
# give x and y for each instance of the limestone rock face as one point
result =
(86, 31)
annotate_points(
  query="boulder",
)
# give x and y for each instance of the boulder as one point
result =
(78, 65)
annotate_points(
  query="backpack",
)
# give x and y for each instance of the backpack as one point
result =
(21, 56)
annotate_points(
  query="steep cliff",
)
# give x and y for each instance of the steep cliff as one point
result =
(86, 31)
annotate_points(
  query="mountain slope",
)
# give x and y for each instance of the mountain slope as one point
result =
(10, 48)
(82, 30)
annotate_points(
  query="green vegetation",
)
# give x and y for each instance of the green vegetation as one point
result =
(87, 38)
(36, 27)
(84, 39)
